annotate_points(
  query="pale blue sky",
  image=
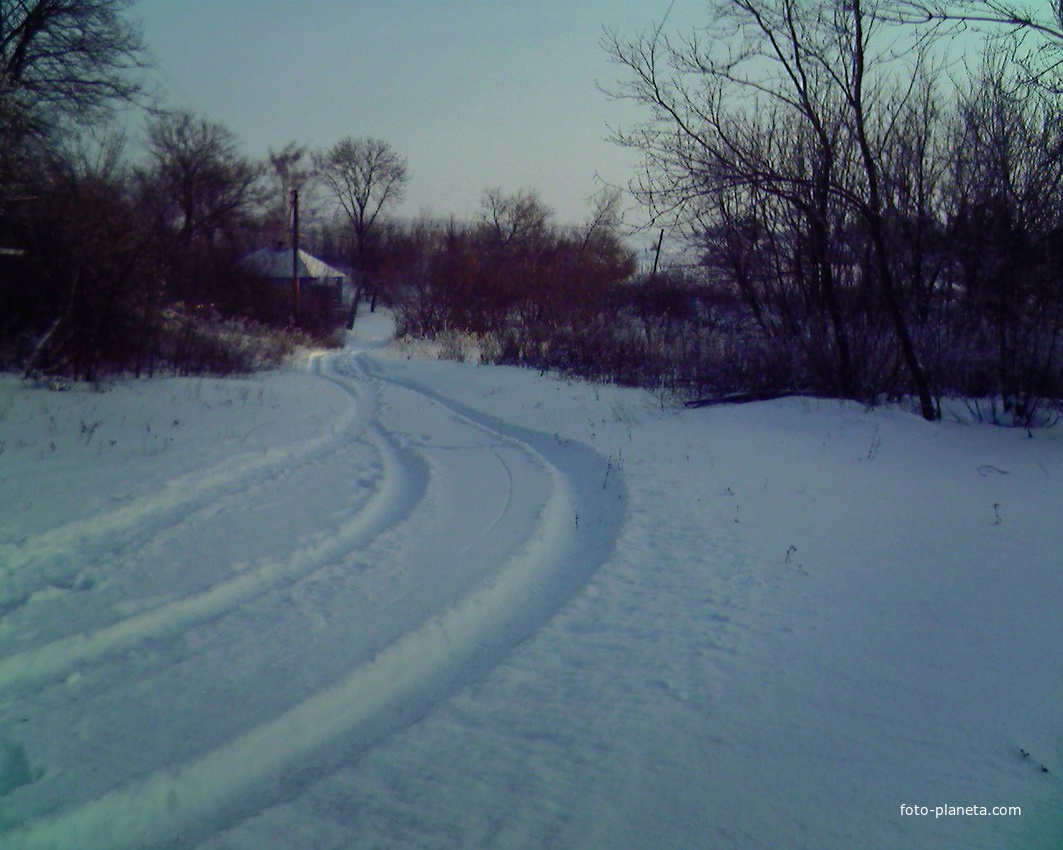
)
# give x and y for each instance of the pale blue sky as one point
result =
(475, 93)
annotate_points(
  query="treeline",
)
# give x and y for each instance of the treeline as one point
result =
(792, 287)
(958, 272)
(514, 278)
(114, 260)
(869, 217)
(884, 213)
(123, 259)
(114, 268)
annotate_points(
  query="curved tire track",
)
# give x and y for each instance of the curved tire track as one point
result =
(574, 533)
(31, 566)
(403, 485)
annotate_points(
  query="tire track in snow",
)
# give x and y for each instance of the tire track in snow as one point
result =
(179, 498)
(575, 532)
(27, 565)
(403, 485)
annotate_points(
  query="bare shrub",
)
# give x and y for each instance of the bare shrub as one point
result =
(205, 343)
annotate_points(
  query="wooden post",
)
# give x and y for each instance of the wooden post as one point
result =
(295, 254)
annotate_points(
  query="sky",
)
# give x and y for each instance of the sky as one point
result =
(476, 94)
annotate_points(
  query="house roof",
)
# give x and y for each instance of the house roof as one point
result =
(276, 263)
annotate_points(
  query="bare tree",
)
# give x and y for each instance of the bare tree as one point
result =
(605, 220)
(91, 253)
(1006, 235)
(789, 107)
(203, 179)
(60, 61)
(74, 57)
(1045, 18)
(202, 194)
(1031, 30)
(513, 220)
(366, 177)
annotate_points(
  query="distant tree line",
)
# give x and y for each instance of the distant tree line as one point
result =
(514, 277)
(872, 215)
(123, 260)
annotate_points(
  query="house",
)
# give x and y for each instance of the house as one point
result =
(324, 292)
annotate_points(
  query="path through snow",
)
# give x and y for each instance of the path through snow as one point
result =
(262, 619)
(385, 602)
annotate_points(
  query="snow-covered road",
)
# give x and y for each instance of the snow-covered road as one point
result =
(262, 619)
(379, 602)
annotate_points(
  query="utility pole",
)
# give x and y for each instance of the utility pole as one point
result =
(657, 256)
(295, 254)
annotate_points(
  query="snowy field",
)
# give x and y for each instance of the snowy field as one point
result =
(375, 601)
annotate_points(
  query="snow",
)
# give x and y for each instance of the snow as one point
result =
(378, 600)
